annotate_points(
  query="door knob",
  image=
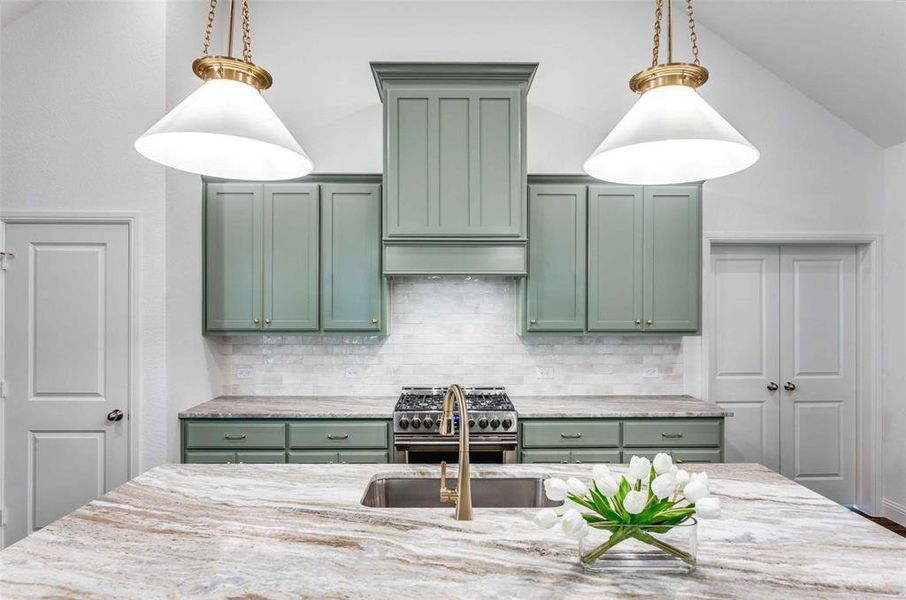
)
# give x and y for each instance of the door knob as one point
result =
(256, 321)
(772, 387)
(649, 322)
(789, 386)
(267, 321)
(115, 415)
(533, 321)
(638, 321)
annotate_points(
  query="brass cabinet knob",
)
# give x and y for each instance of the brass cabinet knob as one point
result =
(267, 321)
(533, 321)
(256, 321)
(638, 321)
(772, 387)
(374, 321)
(649, 321)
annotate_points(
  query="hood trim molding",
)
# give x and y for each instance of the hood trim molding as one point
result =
(455, 258)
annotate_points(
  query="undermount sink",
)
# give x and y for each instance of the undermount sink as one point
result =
(487, 492)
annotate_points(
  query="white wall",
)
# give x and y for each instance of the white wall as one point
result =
(894, 332)
(80, 81)
(73, 131)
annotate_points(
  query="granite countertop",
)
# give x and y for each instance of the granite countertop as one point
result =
(289, 531)
(301, 407)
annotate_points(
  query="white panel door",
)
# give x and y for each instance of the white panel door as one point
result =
(818, 368)
(744, 356)
(67, 368)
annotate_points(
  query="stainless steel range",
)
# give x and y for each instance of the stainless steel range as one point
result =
(416, 426)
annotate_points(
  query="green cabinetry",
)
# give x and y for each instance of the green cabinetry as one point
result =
(641, 261)
(454, 149)
(350, 257)
(292, 257)
(278, 441)
(618, 440)
(556, 279)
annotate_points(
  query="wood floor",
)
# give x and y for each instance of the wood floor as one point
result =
(886, 523)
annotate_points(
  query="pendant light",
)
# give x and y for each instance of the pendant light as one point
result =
(670, 135)
(225, 128)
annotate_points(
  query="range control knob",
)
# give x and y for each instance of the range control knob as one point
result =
(507, 423)
(404, 423)
(428, 422)
(471, 423)
(416, 423)
(482, 422)
(495, 423)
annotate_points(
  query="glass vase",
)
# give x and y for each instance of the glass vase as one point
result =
(650, 548)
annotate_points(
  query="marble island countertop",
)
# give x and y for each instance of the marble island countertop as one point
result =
(302, 407)
(291, 531)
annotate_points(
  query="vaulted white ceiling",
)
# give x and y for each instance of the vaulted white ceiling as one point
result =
(849, 56)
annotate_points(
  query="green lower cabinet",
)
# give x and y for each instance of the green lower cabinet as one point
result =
(595, 456)
(206, 457)
(261, 457)
(545, 456)
(672, 433)
(346, 457)
(575, 457)
(680, 455)
(570, 433)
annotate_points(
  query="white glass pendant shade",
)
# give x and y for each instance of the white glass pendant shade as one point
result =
(225, 129)
(671, 135)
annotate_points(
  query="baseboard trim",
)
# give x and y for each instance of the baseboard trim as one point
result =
(894, 511)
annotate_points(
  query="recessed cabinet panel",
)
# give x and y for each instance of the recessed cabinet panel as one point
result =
(454, 162)
(615, 239)
(233, 256)
(672, 285)
(556, 282)
(350, 257)
(291, 257)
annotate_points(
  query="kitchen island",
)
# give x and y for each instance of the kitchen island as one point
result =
(290, 531)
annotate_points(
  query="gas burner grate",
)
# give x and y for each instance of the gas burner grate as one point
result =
(431, 399)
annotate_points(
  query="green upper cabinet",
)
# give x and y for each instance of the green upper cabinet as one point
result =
(293, 257)
(672, 258)
(350, 257)
(290, 257)
(556, 280)
(615, 238)
(233, 256)
(454, 149)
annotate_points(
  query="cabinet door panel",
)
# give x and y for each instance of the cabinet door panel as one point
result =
(672, 258)
(354, 457)
(595, 456)
(545, 456)
(197, 457)
(261, 458)
(311, 457)
(567, 433)
(615, 234)
(497, 206)
(556, 282)
(408, 165)
(291, 257)
(350, 257)
(233, 256)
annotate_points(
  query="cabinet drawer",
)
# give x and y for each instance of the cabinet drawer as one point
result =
(210, 458)
(595, 456)
(545, 456)
(261, 458)
(363, 456)
(680, 455)
(232, 434)
(311, 458)
(671, 433)
(571, 433)
(338, 434)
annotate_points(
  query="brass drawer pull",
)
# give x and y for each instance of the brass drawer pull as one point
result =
(672, 436)
(337, 436)
(570, 436)
(234, 436)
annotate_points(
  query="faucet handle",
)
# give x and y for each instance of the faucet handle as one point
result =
(446, 494)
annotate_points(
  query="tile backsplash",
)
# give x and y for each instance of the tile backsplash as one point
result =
(452, 329)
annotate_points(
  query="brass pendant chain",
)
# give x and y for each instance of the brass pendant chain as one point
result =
(692, 35)
(658, 13)
(246, 33)
(209, 29)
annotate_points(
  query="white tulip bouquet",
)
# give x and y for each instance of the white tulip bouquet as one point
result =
(654, 497)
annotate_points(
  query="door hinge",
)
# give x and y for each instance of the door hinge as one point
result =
(2, 388)
(4, 257)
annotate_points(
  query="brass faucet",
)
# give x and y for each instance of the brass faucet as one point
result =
(462, 495)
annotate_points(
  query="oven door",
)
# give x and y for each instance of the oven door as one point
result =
(434, 449)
